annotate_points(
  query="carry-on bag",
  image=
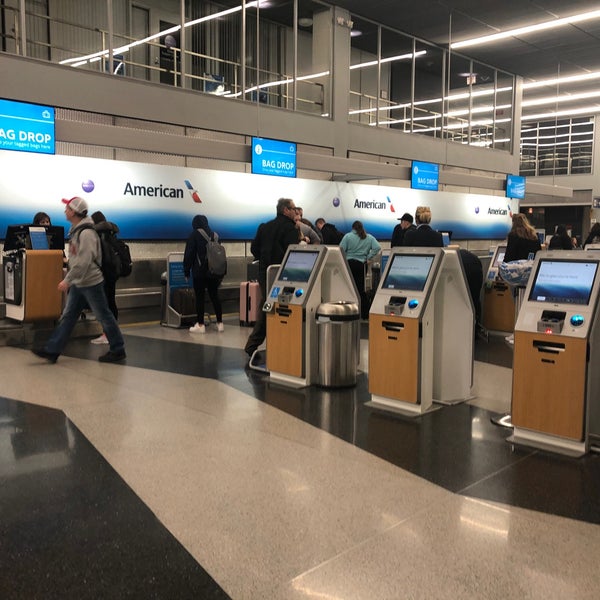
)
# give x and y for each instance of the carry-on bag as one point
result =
(249, 303)
(183, 301)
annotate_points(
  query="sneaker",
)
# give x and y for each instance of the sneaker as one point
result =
(111, 357)
(197, 328)
(49, 356)
(100, 340)
(220, 327)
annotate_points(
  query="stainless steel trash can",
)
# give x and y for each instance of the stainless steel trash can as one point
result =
(338, 331)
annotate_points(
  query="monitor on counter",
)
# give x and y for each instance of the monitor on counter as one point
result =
(34, 238)
(298, 266)
(499, 256)
(16, 237)
(446, 237)
(38, 238)
(408, 272)
(563, 281)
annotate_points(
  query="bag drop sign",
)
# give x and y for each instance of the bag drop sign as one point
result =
(26, 127)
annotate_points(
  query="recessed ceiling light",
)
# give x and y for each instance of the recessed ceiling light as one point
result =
(355, 33)
(520, 31)
(305, 22)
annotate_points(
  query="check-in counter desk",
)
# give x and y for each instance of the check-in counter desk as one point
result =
(308, 276)
(498, 300)
(421, 329)
(556, 380)
(31, 278)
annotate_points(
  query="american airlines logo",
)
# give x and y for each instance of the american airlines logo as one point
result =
(161, 191)
(498, 211)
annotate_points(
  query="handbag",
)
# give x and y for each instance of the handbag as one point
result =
(516, 272)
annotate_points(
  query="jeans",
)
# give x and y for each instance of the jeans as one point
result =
(77, 299)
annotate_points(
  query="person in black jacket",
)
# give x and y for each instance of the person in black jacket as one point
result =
(269, 247)
(105, 228)
(423, 235)
(593, 236)
(194, 262)
(406, 223)
(330, 234)
(522, 239)
(561, 240)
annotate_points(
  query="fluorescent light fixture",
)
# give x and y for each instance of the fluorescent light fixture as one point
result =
(559, 99)
(562, 113)
(556, 143)
(562, 80)
(82, 59)
(389, 59)
(520, 31)
(553, 137)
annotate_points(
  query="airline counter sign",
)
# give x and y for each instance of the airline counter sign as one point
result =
(26, 127)
(273, 157)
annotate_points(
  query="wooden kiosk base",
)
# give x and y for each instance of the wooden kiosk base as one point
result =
(40, 299)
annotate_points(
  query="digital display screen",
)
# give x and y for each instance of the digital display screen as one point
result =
(408, 272)
(424, 176)
(446, 238)
(499, 256)
(26, 127)
(515, 186)
(38, 238)
(298, 266)
(563, 281)
(273, 157)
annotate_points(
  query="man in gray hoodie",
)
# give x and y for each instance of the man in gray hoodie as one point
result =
(85, 284)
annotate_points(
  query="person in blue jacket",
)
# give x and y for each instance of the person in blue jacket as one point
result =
(360, 247)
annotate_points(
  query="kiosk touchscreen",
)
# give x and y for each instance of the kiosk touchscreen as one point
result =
(308, 276)
(420, 316)
(408, 272)
(294, 275)
(557, 345)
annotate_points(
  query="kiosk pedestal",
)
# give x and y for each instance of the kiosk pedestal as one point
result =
(498, 300)
(307, 277)
(421, 330)
(31, 278)
(555, 382)
(179, 304)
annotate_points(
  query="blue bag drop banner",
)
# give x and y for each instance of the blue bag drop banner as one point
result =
(515, 187)
(158, 202)
(424, 176)
(273, 157)
(26, 127)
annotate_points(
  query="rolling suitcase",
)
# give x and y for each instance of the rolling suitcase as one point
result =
(183, 301)
(249, 303)
(252, 271)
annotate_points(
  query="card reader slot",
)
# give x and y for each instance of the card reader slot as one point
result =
(283, 311)
(550, 347)
(392, 326)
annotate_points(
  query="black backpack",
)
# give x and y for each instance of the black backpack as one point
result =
(116, 257)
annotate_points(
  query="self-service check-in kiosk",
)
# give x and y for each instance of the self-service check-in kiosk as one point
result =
(556, 380)
(33, 267)
(307, 277)
(498, 300)
(421, 329)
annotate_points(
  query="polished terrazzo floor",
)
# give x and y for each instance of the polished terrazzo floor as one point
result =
(184, 474)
